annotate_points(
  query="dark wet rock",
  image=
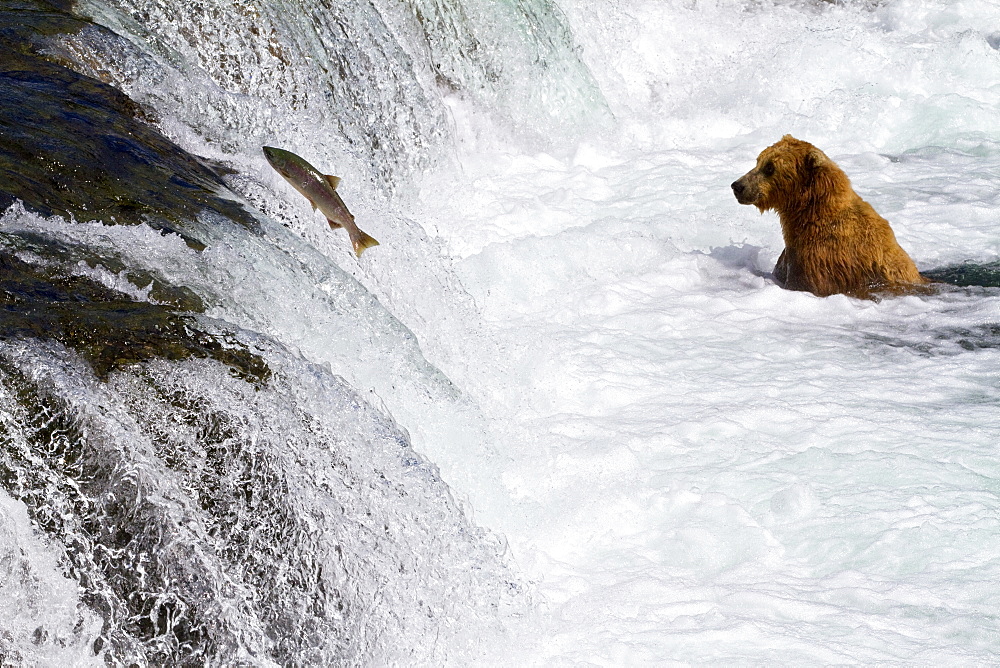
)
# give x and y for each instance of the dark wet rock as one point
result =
(106, 327)
(73, 146)
(967, 274)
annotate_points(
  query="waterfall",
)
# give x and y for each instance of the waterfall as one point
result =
(206, 447)
(367, 79)
(562, 413)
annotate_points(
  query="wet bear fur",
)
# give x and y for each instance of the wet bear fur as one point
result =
(835, 242)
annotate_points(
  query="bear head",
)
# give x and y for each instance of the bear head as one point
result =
(790, 175)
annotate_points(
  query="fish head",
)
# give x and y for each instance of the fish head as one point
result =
(279, 158)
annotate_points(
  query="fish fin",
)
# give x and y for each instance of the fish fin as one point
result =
(334, 181)
(333, 225)
(362, 242)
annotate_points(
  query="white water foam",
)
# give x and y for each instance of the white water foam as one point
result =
(690, 463)
(41, 608)
(703, 467)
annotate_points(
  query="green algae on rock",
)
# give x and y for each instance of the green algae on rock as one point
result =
(106, 327)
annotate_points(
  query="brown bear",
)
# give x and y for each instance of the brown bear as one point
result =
(835, 242)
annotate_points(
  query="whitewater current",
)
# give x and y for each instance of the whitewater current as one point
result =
(561, 415)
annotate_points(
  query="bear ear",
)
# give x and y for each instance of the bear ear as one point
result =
(815, 157)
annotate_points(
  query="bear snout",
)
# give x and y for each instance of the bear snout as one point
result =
(742, 192)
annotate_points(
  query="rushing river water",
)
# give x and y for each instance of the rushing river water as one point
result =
(560, 415)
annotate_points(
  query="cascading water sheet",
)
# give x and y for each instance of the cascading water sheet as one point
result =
(216, 498)
(569, 326)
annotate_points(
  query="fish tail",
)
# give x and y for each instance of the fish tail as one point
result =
(361, 242)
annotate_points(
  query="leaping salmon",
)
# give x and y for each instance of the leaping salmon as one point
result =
(321, 191)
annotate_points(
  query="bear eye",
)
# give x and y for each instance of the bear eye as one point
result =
(768, 169)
